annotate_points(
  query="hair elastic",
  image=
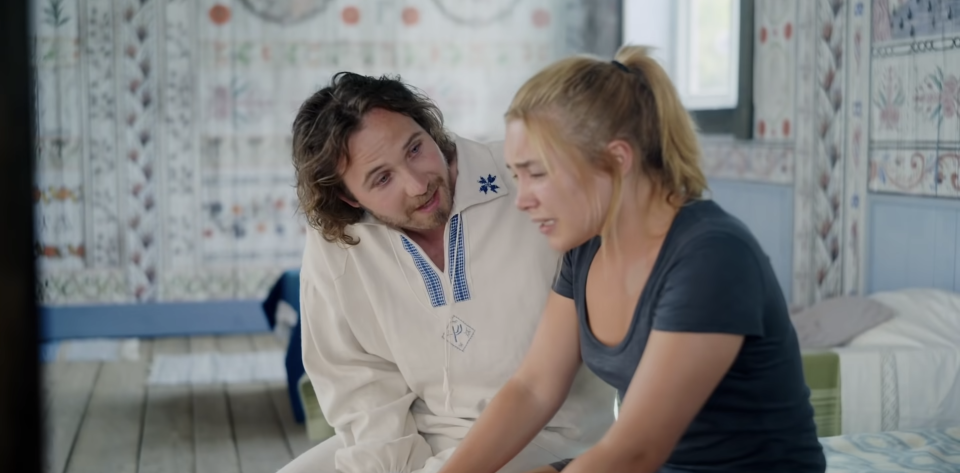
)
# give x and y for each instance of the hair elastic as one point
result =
(619, 65)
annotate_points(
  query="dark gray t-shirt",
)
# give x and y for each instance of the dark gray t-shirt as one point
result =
(712, 277)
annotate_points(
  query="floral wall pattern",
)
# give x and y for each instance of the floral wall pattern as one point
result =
(163, 147)
(915, 125)
(864, 97)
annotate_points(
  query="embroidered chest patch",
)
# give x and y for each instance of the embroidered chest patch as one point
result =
(487, 184)
(459, 333)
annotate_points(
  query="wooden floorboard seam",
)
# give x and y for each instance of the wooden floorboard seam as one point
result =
(233, 430)
(143, 417)
(283, 430)
(83, 418)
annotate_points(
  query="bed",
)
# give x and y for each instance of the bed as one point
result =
(901, 375)
(929, 450)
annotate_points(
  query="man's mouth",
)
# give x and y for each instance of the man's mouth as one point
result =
(431, 203)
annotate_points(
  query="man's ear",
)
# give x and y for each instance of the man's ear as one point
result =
(349, 200)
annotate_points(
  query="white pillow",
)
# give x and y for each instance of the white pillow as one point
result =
(924, 317)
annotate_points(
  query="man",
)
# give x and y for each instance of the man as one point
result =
(421, 285)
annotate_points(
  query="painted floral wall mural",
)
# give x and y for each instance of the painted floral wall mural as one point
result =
(163, 153)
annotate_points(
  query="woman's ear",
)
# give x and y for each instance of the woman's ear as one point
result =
(623, 153)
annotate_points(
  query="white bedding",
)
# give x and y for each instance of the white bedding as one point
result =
(905, 373)
(899, 388)
(924, 318)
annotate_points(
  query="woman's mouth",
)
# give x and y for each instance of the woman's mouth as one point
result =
(547, 226)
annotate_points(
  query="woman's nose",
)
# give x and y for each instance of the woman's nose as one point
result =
(525, 200)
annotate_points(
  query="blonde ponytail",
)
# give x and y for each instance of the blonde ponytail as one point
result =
(679, 146)
(575, 107)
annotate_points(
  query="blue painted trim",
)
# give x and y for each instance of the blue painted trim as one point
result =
(915, 201)
(152, 320)
(880, 201)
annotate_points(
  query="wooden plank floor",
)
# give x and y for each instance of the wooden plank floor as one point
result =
(104, 418)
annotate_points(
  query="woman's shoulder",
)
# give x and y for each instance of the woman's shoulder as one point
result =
(705, 224)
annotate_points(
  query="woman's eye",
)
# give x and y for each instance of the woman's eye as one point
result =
(383, 179)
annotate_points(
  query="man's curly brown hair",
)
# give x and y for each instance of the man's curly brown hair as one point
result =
(321, 132)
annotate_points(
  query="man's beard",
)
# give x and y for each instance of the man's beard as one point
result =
(437, 218)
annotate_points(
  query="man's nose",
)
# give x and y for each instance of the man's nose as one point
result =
(416, 184)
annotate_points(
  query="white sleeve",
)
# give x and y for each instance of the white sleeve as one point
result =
(363, 397)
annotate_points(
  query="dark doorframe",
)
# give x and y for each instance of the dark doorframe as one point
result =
(20, 425)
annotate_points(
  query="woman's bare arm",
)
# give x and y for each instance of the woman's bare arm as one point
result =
(677, 374)
(530, 399)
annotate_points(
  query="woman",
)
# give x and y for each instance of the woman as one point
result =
(661, 293)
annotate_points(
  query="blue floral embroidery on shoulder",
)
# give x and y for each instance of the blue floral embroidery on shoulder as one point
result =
(487, 184)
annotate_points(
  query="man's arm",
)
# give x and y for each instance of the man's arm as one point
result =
(363, 397)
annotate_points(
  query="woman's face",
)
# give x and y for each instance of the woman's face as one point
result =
(567, 213)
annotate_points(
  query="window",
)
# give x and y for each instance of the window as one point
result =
(707, 54)
(706, 47)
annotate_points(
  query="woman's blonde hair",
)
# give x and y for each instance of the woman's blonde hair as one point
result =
(575, 107)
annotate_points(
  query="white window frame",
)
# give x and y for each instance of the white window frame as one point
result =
(665, 26)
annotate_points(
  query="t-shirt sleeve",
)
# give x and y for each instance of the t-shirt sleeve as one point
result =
(715, 286)
(564, 283)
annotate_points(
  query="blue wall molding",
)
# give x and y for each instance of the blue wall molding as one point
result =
(913, 242)
(152, 320)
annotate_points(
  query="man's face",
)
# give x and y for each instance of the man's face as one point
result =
(397, 173)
